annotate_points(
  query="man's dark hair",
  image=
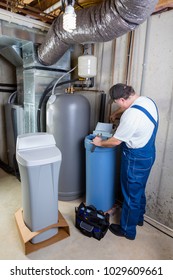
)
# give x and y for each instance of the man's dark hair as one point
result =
(121, 91)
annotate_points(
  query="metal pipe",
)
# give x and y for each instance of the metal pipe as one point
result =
(145, 58)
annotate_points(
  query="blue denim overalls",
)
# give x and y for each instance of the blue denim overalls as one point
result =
(135, 169)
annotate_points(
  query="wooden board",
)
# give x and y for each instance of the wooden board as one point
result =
(163, 4)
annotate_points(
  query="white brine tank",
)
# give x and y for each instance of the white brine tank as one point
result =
(39, 163)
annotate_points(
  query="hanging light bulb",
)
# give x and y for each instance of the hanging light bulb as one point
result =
(69, 17)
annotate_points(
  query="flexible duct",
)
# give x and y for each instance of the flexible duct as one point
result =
(101, 23)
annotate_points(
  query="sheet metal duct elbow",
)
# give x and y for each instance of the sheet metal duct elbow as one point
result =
(100, 23)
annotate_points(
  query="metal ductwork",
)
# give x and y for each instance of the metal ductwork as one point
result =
(12, 54)
(101, 23)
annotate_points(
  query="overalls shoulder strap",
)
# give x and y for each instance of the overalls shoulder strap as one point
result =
(146, 113)
(150, 144)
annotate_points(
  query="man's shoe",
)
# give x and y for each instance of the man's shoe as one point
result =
(141, 223)
(116, 229)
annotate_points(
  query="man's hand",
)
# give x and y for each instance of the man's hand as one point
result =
(97, 141)
(109, 143)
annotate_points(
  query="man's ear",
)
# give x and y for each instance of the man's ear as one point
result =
(122, 99)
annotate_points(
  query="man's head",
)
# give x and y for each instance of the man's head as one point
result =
(122, 94)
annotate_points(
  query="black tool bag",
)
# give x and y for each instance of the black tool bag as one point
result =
(91, 222)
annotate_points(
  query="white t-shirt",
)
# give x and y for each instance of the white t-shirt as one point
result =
(135, 128)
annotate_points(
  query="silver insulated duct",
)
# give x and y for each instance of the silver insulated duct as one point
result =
(101, 23)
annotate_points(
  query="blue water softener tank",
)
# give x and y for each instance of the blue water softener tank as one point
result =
(68, 119)
(100, 175)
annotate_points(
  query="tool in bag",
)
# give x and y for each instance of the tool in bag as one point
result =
(91, 222)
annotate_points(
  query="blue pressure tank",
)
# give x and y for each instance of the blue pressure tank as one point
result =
(100, 175)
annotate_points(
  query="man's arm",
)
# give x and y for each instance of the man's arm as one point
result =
(109, 143)
(116, 114)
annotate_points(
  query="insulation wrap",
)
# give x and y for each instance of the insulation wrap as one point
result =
(100, 23)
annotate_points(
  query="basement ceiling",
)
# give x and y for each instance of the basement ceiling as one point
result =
(43, 10)
(47, 11)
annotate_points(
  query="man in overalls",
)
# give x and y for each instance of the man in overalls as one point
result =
(136, 133)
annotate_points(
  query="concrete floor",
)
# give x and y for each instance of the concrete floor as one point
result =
(150, 243)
